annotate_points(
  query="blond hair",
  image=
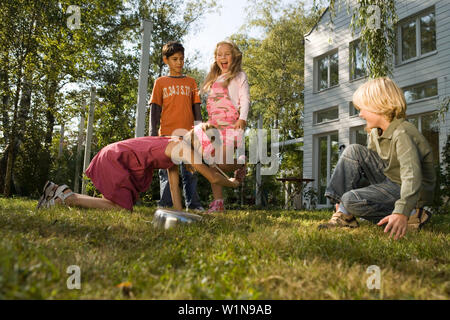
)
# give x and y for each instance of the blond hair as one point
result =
(192, 140)
(214, 72)
(381, 96)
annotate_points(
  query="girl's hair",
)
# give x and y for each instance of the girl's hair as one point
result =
(191, 138)
(381, 96)
(234, 69)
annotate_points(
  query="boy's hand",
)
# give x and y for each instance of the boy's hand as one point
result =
(240, 124)
(397, 223)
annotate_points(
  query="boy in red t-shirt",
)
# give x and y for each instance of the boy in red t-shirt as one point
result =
(175, 105)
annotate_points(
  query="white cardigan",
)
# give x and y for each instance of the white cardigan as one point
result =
(239, 92)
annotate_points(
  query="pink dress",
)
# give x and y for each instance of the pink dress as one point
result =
(123, 169)
(223, 114)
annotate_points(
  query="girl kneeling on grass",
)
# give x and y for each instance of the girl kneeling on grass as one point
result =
(123, 169)
(398, 164)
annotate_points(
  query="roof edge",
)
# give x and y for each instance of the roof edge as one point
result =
(320, 18)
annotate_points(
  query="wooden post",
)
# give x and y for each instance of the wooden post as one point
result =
(76, 186)
(90, 127)
(286, 194)
(141, 108)
(61, 141)
(258, 166)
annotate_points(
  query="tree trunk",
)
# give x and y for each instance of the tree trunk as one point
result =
(9, 166)
(18, 129)
(50, 116)
(4, 82)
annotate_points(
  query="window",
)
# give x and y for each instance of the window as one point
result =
(428, 125)
(358, 61)
(417, 36)
(352, 111)
(328, 71)
(358, 135)
(326, 115)
(421, 91)
(328, 158)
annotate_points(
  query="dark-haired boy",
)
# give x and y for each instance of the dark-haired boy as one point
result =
(175, 104)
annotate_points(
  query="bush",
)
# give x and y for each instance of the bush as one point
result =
(444, 179)
(441, 201)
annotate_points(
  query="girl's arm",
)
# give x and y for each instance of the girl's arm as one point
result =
(174, 179)
(244, 96)
(212, 175)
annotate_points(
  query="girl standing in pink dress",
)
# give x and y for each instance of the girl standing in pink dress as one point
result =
(123, 169)
(228, 104)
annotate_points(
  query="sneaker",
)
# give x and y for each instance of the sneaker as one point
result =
(418, 219)
(216, 206)
(340, 220)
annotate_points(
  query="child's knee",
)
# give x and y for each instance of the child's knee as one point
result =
(353, 149)
(351, 202)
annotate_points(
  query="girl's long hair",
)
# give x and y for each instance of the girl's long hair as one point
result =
(214, 72)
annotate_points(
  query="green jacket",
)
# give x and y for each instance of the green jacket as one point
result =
(409, 161)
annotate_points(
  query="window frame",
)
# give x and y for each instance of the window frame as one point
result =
(316, 71)
(421, 84)
(416, 18)
(324, 110)
(328, 165)
(420, 117)
(353, 131)
(350, 106)
(351, 46)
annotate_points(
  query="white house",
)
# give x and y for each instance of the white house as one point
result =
(334, 70)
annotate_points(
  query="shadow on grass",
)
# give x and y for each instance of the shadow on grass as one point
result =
(366, 245)
(114, 234)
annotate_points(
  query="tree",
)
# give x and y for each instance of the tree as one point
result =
(40, 56)
(374, 21)
(275, 67)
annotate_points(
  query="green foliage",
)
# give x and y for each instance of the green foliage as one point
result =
(246, 254)
(46, 70)
(444, 106)
(274, 63)
(443, 192)
(377, 41)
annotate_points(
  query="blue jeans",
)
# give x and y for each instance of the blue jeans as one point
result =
(358, 182)
(189, 182)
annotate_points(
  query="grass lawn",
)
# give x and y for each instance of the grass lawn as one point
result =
(236, 255)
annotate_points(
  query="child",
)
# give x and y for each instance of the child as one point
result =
(123, 169)
(398, 164)
(228, 104)
(175, 104)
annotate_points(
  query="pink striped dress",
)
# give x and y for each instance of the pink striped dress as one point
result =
(223, 114)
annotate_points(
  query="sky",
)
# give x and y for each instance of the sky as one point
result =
(217, 26)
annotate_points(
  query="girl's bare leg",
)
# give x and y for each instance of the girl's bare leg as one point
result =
(227, 167)
(217, 191)
(88, 202)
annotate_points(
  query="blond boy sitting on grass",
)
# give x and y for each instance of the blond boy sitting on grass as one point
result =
(397, 163)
